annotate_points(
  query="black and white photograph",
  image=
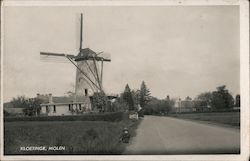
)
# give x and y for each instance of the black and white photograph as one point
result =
(122, 80)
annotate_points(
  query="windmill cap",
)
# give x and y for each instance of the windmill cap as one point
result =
(85, 54)
(88, 54)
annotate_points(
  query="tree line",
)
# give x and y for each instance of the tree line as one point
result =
(220, 99)
(141, 100)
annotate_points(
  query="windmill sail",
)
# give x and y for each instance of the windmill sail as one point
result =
(54, 57)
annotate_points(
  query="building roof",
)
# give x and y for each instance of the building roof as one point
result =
(55, 100)
(63, 99)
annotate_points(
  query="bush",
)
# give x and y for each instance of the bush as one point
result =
(100, 101)
(114, 116)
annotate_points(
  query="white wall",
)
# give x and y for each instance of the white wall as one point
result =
(63, 109)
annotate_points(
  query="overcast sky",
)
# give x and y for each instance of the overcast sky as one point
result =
(178, 51)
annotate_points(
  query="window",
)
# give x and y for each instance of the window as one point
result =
(54, 108)
(69, 107)
(86, 92)
(80, 108)
(47, 109)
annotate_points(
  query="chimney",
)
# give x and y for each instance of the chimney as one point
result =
(38, 95)
(50, 98)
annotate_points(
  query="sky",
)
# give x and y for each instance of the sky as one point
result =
(177, 50)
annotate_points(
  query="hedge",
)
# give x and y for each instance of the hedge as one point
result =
(211, 111)
(112, 116)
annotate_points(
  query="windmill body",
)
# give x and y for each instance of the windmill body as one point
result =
(89, 74)
(85, 62)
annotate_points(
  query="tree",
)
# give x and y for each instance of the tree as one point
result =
(164, 106)
(119, 105)
(152, 107)
(237, 100)
(19, 102)
(33, 107)
(136, 96)
(128, 98)
(222, 99)
(99, 101)
(203, 101)
(144, 95)
(156, 106)
(30, 106)
(169, 105)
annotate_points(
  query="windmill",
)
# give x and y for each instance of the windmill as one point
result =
(89, 64)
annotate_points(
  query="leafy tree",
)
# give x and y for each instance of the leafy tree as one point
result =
(206, 97)
(128, 98)
(99, 101)
(166, 106)
(156, 106)
(222, 99)
(31, 106)
(19, 102)
(152, 107)
(169, 106)
(203, 101)
(144, 95)
(120, 105)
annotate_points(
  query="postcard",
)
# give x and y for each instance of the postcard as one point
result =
(125, 80)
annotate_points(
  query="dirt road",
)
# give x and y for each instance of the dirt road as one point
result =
(165, 135)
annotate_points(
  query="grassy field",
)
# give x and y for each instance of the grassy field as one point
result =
(78, 137)
(226, 118)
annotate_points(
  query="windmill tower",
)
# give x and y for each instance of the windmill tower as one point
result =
(89, 72)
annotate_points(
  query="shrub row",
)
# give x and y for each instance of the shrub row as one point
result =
(208, 111)
(112, 116)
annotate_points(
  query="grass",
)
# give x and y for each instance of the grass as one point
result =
(78, 137)
(226, 118)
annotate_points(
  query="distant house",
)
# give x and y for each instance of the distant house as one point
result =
(186, 105)
(71, 105)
